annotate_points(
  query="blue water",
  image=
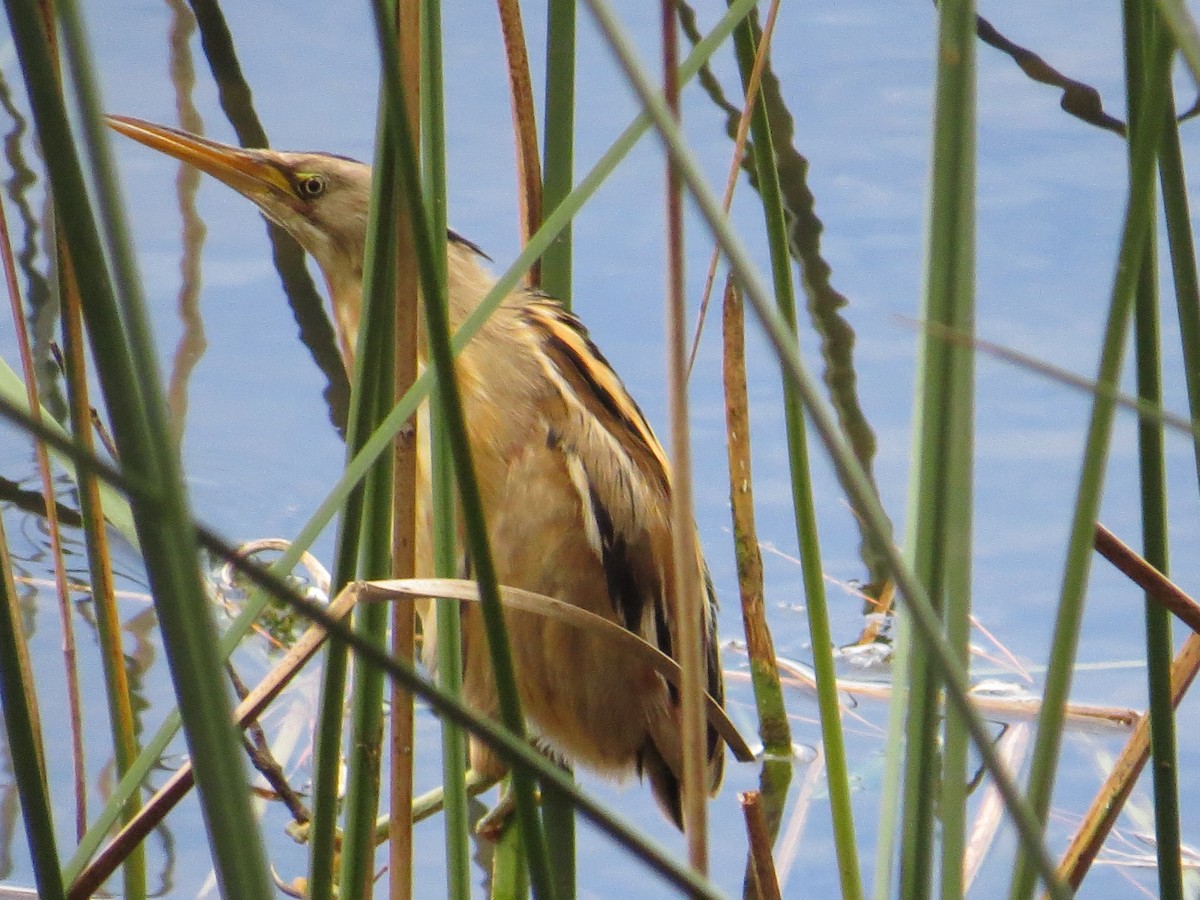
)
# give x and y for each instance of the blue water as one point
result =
(260, 452)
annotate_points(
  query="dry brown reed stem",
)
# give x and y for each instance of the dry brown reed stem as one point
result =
(773, 725)
(1012, 747)
(404, 478)
(1161, 589)
(735, 165)
(762, 865)
(688, 611)
(62, 588)
(529, 166)
(102, 587)
(1110, 799)
(106, 862)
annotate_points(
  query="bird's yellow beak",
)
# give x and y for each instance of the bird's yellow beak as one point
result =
(249, 172)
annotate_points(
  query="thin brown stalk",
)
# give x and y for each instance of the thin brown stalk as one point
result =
(1110, 799)
(177, 786)
(687, 588)
(759, 838)
(1161, 589)
(773, 725)
(520, 85)
(404, 482)
(735, 165)
(62, 588)
(103, 590)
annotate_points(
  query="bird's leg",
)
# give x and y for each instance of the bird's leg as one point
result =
(493, 821)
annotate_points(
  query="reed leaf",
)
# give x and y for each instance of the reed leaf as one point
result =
(938, 543)
(119, 335)
(861, 495)
(1141, 23)
(807, 537)
(1138, 217)
(24, 736)
(456, 823)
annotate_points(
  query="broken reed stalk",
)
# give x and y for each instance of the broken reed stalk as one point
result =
(529, 168)
(1014, 747)
(1110, 799)
(773, 725)
(402, 725)
(1158, 586)
(759, 837)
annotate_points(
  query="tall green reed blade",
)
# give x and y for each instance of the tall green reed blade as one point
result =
(558, 152)
(1140, 24)
(457, 827)
(372, 387)
(1139, 215)
(558, 161)
(442, 359)
(858, 485)
(24, 735)
(126, 364)
(938, 544)
(108, 620)
(828, 700)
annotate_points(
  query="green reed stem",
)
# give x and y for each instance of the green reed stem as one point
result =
(558, 150)
(1138, 218)
(558, 162)
(858, 485)
(938, 542)
(828, 700)
(457, 826)
(1141, 23)
(126, 364)
(373, 388)
(24, 735)
(442, 359)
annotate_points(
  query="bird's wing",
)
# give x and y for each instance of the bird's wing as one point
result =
(623, 479)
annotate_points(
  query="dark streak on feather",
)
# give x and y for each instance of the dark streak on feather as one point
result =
(662, 631)
(636, 430)
(624, 592)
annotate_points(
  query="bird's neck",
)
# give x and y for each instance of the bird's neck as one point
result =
(468, 284)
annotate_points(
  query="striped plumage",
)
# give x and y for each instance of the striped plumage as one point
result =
(575, 486)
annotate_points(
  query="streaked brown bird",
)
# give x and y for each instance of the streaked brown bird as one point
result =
(576, 487)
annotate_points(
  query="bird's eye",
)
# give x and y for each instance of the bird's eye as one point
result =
(311, 186)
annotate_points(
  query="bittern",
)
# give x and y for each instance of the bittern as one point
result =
(576, 488)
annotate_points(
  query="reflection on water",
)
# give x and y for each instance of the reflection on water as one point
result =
(39, 296)
(855, 79)
(192, 344)
(236, 99)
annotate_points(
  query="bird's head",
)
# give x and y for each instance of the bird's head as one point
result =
(320, 199)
